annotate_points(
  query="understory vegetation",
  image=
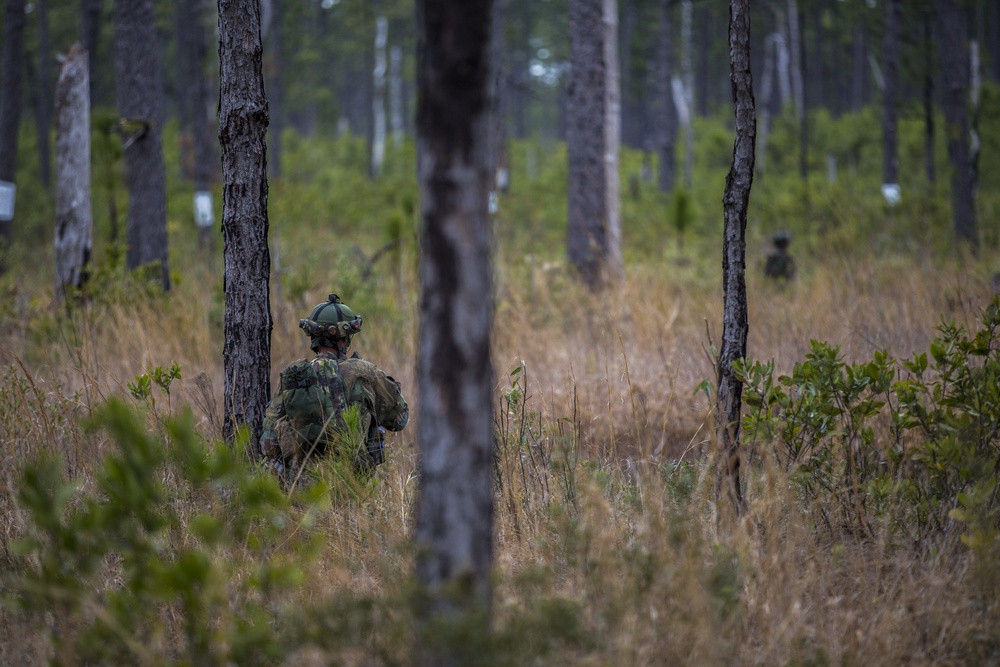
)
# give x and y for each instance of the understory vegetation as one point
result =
(133, 535)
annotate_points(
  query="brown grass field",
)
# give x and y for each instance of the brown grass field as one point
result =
(607, 549)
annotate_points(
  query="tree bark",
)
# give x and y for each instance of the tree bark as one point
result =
(667, 121)
(890, 72)
(243, 119)
(592, 115)
(140, 108)
(454, 528)
(74, 215)
(10, 103)
(954, 100)
(735, 203)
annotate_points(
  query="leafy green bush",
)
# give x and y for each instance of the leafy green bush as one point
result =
(910, 452)
(176, 537)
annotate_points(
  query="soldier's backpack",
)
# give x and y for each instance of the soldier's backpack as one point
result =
(305, 415)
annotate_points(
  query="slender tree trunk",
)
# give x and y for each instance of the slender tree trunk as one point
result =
(90, 33)
(10, 103)
(993, 40)
(276, 88)
(703, 16)
(630, 121)
(594, 231)
(243, 119)
(498, 145)
(397, 123)
(378, 96)
(735, 203)
(454, 530)
(687, 73)
(890, 71)
(929, 97)
(766, 95)
(43, 112)
(74, 215)
(140, 107)
(955, 95)
(667, 121)
(798, 85)
(859, 71)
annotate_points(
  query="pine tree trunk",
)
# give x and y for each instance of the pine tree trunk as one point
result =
(928, 91)
(954, 99)
(74, 215)
(890, 71)
(378, 96)
(735, 202)
(667, 121)
(242, 130)
(140, 108)
(592, 114)
(687, 74)
(454, 530)
(90, 32)
(276, 89)
(10, 103)
(397, 124)
(498, 145)
(43, 113)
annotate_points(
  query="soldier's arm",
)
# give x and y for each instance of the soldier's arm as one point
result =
(391, 409)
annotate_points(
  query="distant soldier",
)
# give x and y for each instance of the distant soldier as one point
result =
(780, 265)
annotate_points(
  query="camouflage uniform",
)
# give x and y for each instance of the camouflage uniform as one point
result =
(350, 382)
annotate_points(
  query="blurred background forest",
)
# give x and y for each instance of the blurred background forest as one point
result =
(603, 405)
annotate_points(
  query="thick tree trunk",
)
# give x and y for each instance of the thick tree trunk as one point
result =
(74, 215)
(454, 531)
(10, 102)
(242, 130)
(592, 114)
(955, 95)
(890, 72)
(140, 108)
(667, 121)
(735, 203)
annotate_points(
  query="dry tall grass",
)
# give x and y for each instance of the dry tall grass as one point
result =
(606, 541)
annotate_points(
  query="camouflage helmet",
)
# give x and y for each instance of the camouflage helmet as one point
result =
(330, 321)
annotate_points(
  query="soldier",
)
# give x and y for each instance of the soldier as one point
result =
(303, 418)
(780, 265)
